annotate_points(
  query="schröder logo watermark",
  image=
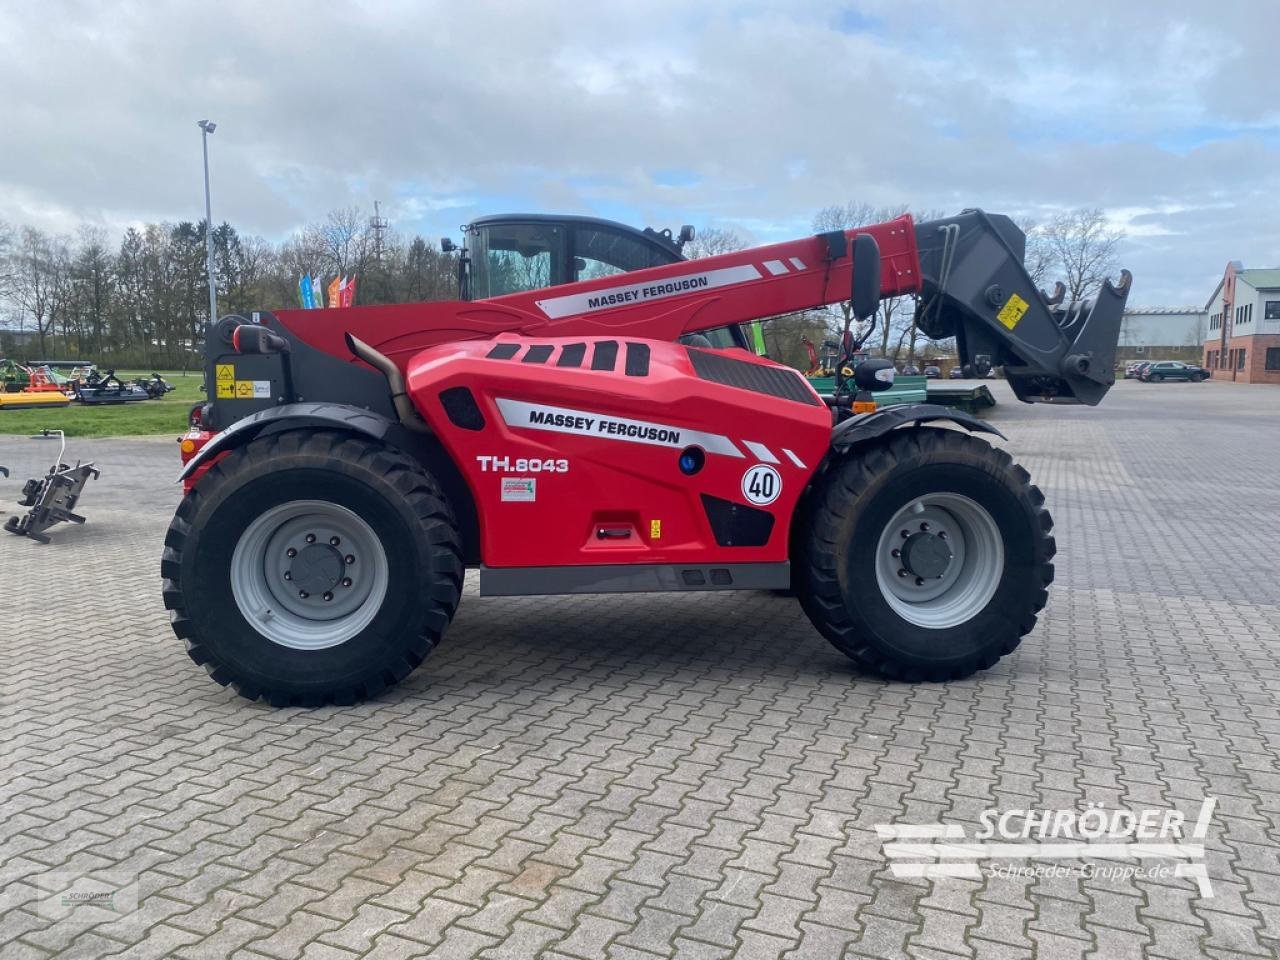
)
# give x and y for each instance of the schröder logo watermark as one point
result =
(1006, 839)
(86, 899)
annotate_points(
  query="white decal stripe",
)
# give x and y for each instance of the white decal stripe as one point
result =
(761, 452)
(610, 297)
(775, 267)
(587, 423)
(797, 263)
(794, 459)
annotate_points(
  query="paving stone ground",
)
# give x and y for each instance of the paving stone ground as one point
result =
(652, 776)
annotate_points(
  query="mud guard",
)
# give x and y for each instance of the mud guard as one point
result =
(291, 415)
(868, 426)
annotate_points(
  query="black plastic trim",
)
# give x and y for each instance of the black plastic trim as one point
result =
(605, 355)
(572, 355)
(461, 408)
(637, 362)
(757, 377)
(538, 353)
(632, 578)
(868, 426)
(503, 351)
(736, 524)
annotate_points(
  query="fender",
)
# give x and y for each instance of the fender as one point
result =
(868, 426)
(289, 415)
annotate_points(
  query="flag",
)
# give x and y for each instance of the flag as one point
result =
(349, 293)
(335, 292)
(317, 290)
(302, 300)
(308, 295)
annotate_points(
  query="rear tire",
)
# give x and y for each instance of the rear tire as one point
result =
(946, 618)
(312, 568)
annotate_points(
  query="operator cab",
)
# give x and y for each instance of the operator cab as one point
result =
(512, 253)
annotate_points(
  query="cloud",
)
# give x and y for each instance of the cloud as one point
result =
(657, 113)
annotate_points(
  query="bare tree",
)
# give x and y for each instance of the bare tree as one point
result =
(40, 281)
(1039, 257)
(1083, 246)
(896, 314)
(712, 242)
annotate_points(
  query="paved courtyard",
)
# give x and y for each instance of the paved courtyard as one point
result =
(652, 776)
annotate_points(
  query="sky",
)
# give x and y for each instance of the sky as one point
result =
(740, 115)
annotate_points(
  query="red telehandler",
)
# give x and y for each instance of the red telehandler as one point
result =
(602, 431)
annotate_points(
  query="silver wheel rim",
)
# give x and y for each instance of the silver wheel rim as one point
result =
(939, 560)
(309, 574)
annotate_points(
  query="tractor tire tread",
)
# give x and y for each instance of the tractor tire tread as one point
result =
(419, 490)
(852, 477)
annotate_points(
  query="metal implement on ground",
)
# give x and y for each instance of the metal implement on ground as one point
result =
(53, 497)
(589, 417)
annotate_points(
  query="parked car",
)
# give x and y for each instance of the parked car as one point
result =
(1139, 367)
(911, 370)
(1172, 370)
(1131, 369)
(932, 372)
(957, 373)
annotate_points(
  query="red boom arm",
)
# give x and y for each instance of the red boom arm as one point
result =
(660, 303)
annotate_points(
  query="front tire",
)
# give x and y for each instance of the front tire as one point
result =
(312, 568)
(964, 584)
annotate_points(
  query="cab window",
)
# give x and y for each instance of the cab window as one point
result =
(599, 252)
(513, 257)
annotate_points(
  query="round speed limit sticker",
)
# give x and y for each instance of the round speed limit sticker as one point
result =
(761, 484)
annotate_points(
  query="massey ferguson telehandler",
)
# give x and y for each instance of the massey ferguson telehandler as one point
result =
(586, 419)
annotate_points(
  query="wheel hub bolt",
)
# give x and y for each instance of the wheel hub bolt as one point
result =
(346, 581)
(895, 553)
(311, 538)
(334, 541)
(942, 534)
(905, 534)
(901, 572)
(288, 575)
(350, 559)
(919, 581)
(924, 527)
(303, 594)
(291, 553)
(328, 596)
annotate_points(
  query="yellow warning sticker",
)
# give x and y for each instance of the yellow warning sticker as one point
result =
(244, 389)
(655, 529)
(225, 371)
(226, 389)
(1012, 311)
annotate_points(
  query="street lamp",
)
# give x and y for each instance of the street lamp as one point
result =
(208, 126)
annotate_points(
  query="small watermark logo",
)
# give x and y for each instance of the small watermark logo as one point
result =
(86, 899)
(1007, 839)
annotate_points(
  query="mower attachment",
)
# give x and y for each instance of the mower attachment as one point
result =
(976, 289)
(53, 498)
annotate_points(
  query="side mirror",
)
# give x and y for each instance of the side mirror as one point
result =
(874, 375)
(447, 245)
(865, 293)
(686, 233)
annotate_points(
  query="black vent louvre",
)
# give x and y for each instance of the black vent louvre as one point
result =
(460, 407)
(538, 353)
(736, 524)
(637, 362)
(773, 381)
(605, 355)
(571, 355)
(503, 351)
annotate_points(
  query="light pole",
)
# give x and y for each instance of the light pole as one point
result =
(208, 126)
